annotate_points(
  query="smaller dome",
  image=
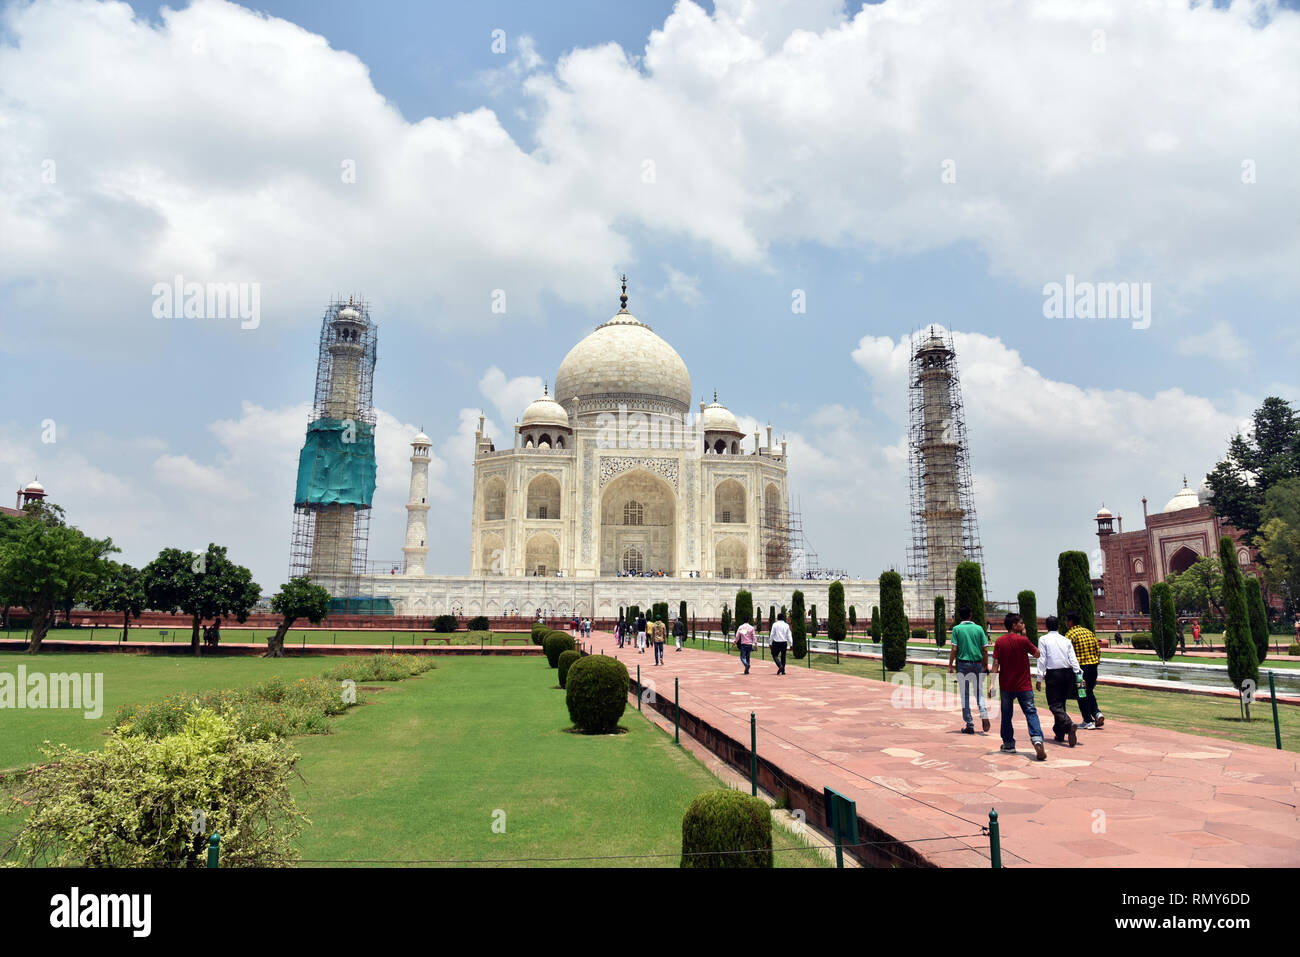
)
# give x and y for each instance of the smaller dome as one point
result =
(347, 312)
(545, 411)
(421, 439)
(35, 486)
(716, 417)
(1104, 512)
(1185, 498)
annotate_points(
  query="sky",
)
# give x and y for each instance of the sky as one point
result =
(891, 166)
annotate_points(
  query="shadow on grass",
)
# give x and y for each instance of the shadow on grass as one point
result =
(574, 729)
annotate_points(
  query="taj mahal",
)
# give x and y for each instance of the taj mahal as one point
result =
(612, 491)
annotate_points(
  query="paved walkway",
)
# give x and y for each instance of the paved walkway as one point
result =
(1127, 796)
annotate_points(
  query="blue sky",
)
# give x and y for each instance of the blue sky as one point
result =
(795, 147)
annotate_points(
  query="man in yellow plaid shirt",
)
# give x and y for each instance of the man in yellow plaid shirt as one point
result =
(1088, 652)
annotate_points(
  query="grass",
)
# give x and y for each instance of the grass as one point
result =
(421, 768)
(296, 636)
(1200, 659)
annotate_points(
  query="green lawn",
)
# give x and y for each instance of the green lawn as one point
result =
(296, 636)
(1200, 659)
(418, 770)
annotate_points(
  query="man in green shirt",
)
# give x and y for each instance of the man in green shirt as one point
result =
(969, 657)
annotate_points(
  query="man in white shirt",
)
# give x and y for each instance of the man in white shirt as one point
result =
(1059, 666)
(780, 638)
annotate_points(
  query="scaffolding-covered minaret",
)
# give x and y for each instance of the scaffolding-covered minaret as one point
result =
(417, 507)
(336, 468)
(945, 531)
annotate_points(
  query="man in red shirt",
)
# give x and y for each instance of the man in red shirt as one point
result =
(1011, 654)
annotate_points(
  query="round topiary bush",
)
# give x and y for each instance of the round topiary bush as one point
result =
(444, 624)
(567, 658)
(727, 821)
(479, 623)
(557, 643)
(919, 634)
(596, 693)
(540, 631)
(1142, 640)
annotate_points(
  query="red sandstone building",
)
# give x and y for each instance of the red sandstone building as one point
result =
(1170, 541)
(34, 492)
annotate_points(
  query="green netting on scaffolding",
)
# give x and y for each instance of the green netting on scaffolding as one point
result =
(337, 464)
(361, 606)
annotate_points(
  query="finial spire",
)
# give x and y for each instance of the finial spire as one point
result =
(715, 396)
(1184, 481)
(546, 388)
(623, 298)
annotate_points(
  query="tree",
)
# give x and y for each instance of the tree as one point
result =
(893, 625)
(835, 622)
(940, 622)
(1279, 542)
(297, 598)
(798, 622)
(771, 617)
(1199, 587)
(122, 591)
(812, 621)
(201, 586)
(1255, 463)
(1074, 588)
(1258, 617)
(681, 611)
(726, 621)
(44, 561)
(970, 592)
(1028, 604)
(692, 627)
(873, 629)
(1164, 621)
(853, 616)
(1243, 664)
(744, 607)
(659, 611)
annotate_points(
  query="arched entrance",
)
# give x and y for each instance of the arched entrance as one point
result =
(541, 555)
(1182, 560)
(1142, 600)
(638, 513)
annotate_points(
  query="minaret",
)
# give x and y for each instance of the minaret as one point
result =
(417, 507)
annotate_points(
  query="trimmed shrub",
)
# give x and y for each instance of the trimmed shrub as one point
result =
(1028, 602)
(771, 617)
(479, 623)
(566, 660)
(727, 821)
(633, 613)
(444, 624)
(836, 627)
(798, 622)
(540, 631)
(1258, 617)
(557, 643)
(1293, 648)
(1243, 663)
(812, 622)
(873, 627)
(919, 634)
(596, 690)
(681, 610)
(853, 616)
(940, 622)
(1074, 588)
(1142, 639)
(893, 621)
(726, 621)
(1164, 622)
(970, 591)
(744, 607)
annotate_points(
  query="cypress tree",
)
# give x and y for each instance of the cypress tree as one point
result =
(1028, 602)
(835, 624)
(692, 627)
(744, 607)
(1074, 588)
(1258, 617)
(798, 622)
(1243, 663)
(970, 591)
(771, 617)
(726, 620)
(681, 610)
(873, 628)
(853, 616)
(812, 621)
(893, 621)
(1164, 621)
(940, 622)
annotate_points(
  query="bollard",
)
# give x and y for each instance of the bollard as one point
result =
(1272, 695)
(677, 714)
(638, 687)
(753, 755)
(214, 849)
(995, 839)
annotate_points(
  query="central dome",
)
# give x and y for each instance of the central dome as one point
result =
(624, 363)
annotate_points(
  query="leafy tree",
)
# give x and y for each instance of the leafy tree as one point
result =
(873, 628)
(1199, 587)
(726, 620)
(1243, 663)
(1279, 542)
(1258, 617)
(43, 561)
(812, 621)
(940, 622)
(970, 592)
(297, 598)
(201, 586)
(893, 621)
(121, 590)
(835, 623)
(1256, 463)
(744, 607)
(1028, 604)
(798, 622)
(1164, 621)
(1074, 588)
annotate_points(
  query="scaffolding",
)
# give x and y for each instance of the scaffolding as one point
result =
(787, 553)
(336, 468)
(945, 530)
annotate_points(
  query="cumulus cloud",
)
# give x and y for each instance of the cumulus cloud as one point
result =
(510, 395)
(1221, 342)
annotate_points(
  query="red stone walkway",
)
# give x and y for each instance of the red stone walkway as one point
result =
(1127, 796)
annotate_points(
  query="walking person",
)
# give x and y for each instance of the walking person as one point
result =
(1011, 654)
(1088, 652)
(779, 640)
(745, 642)
(618, 632)
(640, 633)
(679, 631)
(1059, 667)
(658, 634)
(969, 657)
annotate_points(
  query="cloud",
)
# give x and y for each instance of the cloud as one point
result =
(510, 396)
(681, 286)
(1220, 342)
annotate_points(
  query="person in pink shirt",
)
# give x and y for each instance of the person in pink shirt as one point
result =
(745, 642)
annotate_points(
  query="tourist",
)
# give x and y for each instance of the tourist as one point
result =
(1059, 667)
(618, 632)
(640, 633)
(1089, 654)
(779, 640)
(1011, 654)
(658, 634)
(679, 631)
(745, 642)
(969, 657)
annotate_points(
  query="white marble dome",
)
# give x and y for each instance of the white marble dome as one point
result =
(1186, 498)
(545, 411)
(624, 361)
(716, 417)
